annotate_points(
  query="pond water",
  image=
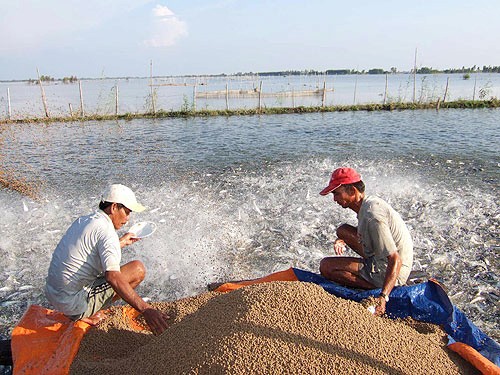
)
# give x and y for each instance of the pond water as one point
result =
(237, 197)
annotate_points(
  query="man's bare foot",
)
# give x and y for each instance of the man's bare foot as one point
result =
(95, 319)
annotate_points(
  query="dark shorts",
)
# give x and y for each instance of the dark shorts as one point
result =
(100, 297)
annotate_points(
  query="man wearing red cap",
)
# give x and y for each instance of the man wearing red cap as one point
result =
(381, 239)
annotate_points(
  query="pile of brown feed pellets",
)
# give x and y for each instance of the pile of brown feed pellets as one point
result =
(269, 328)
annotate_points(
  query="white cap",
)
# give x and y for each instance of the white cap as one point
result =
(118, 193)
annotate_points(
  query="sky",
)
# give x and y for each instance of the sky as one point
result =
(118, 38)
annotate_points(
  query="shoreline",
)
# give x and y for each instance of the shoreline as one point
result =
(400, 106)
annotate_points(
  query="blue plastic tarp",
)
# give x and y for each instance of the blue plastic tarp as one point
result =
(426, 302)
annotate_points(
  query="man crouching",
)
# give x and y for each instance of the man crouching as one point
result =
(85, 275)
(381, 239)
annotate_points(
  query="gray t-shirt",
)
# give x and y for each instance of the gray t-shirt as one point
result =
(89, 248)
(382, 231)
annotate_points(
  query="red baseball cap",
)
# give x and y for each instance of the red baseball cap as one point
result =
(341, 176)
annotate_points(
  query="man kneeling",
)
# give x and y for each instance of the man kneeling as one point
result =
(85, 275)
(381, 239)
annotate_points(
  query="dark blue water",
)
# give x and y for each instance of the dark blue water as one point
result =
(237, 197)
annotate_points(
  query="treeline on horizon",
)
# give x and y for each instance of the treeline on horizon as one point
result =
(393, 70)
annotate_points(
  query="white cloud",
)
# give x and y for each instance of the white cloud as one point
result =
(161, 11)
(167, 28)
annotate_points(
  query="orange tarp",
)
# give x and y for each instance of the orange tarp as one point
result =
(45, 342)
(475, 358)
(287, 275)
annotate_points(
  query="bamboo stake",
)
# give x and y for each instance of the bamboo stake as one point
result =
(116, 100)
(355, 88)
(333, 91)
(474, 94)
(385, 91)
(227, 96)
(70, 110)
(415, 77)
(438, 104)
(446, 89)
(82, 110)
(9, 112)
(260, 95)
(152, 90)
(194, 96)
(44, 99)
(324, 94)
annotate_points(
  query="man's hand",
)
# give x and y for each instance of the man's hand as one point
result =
(128, 239)
(339, 246)
(380, 308)
(156, 320)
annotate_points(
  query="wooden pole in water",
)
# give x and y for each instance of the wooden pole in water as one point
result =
(116, 100)
(82, 110)
(70, 110)
(227, 96)
(324, 94)
(446, 89)
(474, 93)
(415, 77)
(9, 112)
(385, 91)
(44, 100)
(151, 84)
(355, 88)
(293, 97)
(194, 95)
(260, 95)
(333, 90)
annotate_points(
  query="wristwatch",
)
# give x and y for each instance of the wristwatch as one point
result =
(385, 296)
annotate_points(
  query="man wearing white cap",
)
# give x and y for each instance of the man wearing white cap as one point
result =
(85, 275)
(381, 239)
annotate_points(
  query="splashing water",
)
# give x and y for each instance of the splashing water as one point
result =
(248, 212)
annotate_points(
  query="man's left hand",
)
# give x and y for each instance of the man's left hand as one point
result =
(128, 239)
(380, 308)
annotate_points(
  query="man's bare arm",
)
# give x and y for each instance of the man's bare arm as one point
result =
(393, 267)
(156, 320)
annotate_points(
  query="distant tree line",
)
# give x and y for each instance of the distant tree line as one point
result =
(71, 79)
(44, 78)
(393, 70)
(491, 69)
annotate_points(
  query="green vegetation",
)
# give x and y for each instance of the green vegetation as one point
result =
(393, 70)
(188, 111)
(43, 78)
(71, 79)
(491, 69)
(426, 70)
(377, 71)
